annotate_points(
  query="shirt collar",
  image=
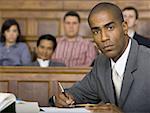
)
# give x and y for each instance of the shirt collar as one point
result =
(121, 62)
(78, 38)
(131, 34)
(14, 45)
(43, 63)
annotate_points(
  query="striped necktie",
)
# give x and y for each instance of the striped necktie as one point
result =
(117, 80)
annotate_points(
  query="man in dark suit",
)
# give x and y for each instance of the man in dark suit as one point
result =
(130, 15)
(46, 46)
(121, 57)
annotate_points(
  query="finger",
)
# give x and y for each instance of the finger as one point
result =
(67, 99)
(70, 101)
(64, 97)
(60, 102)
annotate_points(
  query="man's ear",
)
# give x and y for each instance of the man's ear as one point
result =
(125, 27)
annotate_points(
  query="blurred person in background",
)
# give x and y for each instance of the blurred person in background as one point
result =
(13, 52)
(131, 16)
(46, 45)
(72, 49)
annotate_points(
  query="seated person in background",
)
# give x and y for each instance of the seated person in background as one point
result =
(12, 51)
(72, 49)
(46, 45)
(131, 16)
(120, 75)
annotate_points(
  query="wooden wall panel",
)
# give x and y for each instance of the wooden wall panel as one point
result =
(144, 25)
(85, 29)
(35, 91)
(23, 25)
(31, 27)
(31, 4)
(48, 26)
(4, 86)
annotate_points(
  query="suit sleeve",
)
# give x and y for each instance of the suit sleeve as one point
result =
(86, 90)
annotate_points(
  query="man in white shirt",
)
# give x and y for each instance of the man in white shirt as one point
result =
(46, 46)
(131, 16)
(130, 60)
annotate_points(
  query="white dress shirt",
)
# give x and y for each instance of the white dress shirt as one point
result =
(121, 63)
(131, 34)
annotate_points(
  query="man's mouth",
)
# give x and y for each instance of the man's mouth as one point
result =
(107, 47)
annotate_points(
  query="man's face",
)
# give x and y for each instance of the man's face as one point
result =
(71, 26)
(45, 49)
(130, 17)
(109, 34)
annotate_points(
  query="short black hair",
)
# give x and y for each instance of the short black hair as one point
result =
(6, 25)
(108, 7)
(72, 13)
(132, 8)
(47, 37)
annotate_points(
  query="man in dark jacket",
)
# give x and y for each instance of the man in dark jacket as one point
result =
(130, 15)
(120, 75)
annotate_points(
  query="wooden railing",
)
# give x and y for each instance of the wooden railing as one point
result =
(36, 83)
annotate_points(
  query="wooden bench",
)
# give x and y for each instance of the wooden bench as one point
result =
(36, 83)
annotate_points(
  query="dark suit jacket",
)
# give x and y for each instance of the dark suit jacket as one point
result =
(97, 86)
(51, 63)
(141, 40)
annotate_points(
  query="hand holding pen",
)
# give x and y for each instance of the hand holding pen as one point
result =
(63, 99)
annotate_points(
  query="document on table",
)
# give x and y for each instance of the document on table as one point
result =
(27, 107)
(64, 110)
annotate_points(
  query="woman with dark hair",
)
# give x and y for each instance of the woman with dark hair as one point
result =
(12, 51)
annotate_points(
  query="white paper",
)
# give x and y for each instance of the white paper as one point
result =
(6, 99)
(27, 107)
(64, 110)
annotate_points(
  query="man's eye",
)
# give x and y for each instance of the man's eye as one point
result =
(8, 30)
(96, 32)
(41, 47)
(50, 49)
(110, 28)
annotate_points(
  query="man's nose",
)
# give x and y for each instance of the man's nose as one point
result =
(104, 35)
(44, 51)
(71, 25)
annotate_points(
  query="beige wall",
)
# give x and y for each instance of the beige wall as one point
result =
(38, 17)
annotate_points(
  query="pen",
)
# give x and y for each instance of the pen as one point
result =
(62, 89)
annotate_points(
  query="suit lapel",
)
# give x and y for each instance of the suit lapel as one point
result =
(131, 66)
(50, 63)
(126, 86)
(109, 84)
(36, 63)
